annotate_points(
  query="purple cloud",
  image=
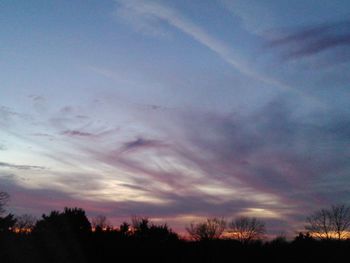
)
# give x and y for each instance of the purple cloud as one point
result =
(77, 133)
(141, 143)
(314, 40)
(21, 167)
(215, 164)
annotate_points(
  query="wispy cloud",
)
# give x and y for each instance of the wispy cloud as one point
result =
(7, 114)
(153, 11)
(21, 166)
(313, 40)
(77, 133)
(141, 143)
(267, 163)
(296, 160)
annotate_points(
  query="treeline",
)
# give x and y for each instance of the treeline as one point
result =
(68, 236)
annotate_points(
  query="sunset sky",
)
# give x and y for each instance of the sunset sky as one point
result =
(176, 110)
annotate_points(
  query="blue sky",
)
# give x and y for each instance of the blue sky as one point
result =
(177, 110)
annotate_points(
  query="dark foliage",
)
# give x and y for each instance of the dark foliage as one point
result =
(112, 246)
(4, 197)
(332, 223)
(71, 221)
(68, 237)
(7, 223)
(211, 229)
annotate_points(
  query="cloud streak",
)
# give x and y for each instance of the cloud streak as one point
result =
(21, 167)
(155, 11)
(77, 133)
(314, 40)
(289, 159)
(271, 163)
(141, 143)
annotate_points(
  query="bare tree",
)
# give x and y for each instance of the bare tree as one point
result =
(341, 220)
(124, 228)
(246, 229)
(330, 223)
(25, 223)
(4, 197)
(212, 228)
(101, 223)
(319, 224)
(140, 226)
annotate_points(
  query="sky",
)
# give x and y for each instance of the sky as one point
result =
(176, 110)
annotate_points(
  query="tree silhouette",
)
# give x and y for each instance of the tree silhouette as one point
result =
(341, 220)
(71, 220)
(124, 228)
(246, 229)
(212, 228)
(66, 237)
(162, 233)
(101, 223)
(319, 224)
(7, 223)
(25, 223)
(4, 197)
(140, 226)
(303, 237)
(144, 229)
(333, 223)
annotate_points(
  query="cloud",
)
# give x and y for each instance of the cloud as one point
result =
(21, 167)
(39, 103)
(267, 160)
(7, 114)
(40, 134)
(77, 133)
(39, 201)
(314, 40)
(10, 118)
(274, 161)
(277, 153)
(275, 156)
(36, 98)
(155, 13)
(82, 117)
(141, 143)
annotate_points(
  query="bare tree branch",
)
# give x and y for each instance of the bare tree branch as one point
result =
(25, 223)
(4, 197)
(330, 223)
(212, 228)
(101, 223)
(246, 229)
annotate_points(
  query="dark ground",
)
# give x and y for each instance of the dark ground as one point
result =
(115, 247)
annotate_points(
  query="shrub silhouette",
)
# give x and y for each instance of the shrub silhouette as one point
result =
(101, 223)
(144, 229)
(211, 229)
(24, 223)
(7, 223)
(71, 220)
(124, 229)
(67, 237)
(4, 197)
